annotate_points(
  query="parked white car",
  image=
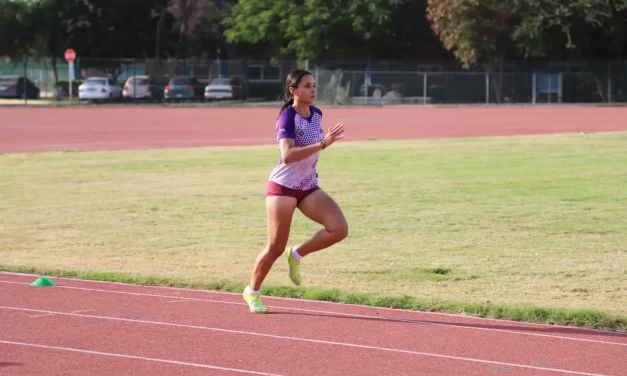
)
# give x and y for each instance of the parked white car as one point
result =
(103, 88)
(224, 88)
(142, 87)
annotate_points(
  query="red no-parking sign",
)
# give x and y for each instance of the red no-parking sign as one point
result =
(70, 55)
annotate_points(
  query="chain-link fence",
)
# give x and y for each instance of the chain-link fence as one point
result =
(596, 82)
(200, 81)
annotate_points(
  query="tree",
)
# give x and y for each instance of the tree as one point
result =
(47, 29)
(188, 15)
(14, 20)
(476, 31)
(408, 35)
(306, 29)
(98, 29)
(572, 28)
(575, 29)
(93, 28)
(202, 26)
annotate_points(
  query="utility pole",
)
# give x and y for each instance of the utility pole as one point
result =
(223, 63)
(159, 27)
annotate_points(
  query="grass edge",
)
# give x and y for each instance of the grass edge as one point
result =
(590, 319)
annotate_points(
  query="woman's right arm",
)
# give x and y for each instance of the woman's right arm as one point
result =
(291, 153)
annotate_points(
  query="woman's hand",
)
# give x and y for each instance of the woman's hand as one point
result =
(335, 133)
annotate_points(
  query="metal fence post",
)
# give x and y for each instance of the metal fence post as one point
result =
(135, 83)
(533, 88)
(366, 82)
(25, 91)
(424, 88)
(609, 82)
(487, 87)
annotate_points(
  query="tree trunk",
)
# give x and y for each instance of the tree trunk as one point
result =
(497, 80)
(159, 28)
(601, 81)
(182, 46)
(53, 62)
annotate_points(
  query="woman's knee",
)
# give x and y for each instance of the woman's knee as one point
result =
(275, 248)
(339, 230)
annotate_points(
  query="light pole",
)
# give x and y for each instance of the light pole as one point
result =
(223, 64)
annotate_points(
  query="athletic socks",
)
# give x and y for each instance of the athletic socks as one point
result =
(249, 290)
(295, 254)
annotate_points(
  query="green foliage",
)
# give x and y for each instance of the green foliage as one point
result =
(572, 28)
(308, 28)
(97, 28)
(408, 35)
(13, 21)
(474, 30)
(94, 28)
(486, 30)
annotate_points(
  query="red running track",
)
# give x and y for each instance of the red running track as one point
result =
(97, 328)
(111, 128)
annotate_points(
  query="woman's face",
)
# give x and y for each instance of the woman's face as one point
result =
(306, 90)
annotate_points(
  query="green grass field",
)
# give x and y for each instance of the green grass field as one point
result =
(524, 228)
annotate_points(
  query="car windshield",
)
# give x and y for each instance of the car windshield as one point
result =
(8, 80)
(221, 81)
(180, 81)
(138, 81)
(96, 81)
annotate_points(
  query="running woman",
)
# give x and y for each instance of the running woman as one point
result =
(293, 183)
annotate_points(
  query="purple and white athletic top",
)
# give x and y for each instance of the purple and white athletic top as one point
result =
(301, 174)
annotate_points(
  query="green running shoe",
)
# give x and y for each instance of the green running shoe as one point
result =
(254, 303)
(294, 267)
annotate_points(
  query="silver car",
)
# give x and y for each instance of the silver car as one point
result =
(142, 87)
(15, 86)
(102, 88)
(224, 88)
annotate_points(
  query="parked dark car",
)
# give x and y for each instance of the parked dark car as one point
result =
(184, 88)
(15, 86)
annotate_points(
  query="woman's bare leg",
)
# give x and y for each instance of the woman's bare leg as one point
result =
(322, 209)
(279, 212)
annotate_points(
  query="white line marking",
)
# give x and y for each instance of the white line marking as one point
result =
(134, 357)
(344, 344)
(36, 316)
(340, 314)
(215, 292)
(163, 143)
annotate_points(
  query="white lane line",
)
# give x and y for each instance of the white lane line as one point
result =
(116, 355)
(310, 340)
(320, 302)
(215, 292)
(341, 314)
(162, 143)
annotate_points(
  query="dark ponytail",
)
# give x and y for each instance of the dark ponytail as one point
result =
(292, 80)
(287, 103)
